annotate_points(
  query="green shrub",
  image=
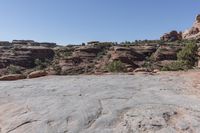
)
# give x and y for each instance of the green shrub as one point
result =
(188, 54)
(67, 54)
(115, 66)
(149, 62)
(57, 69)
(148, 65)
(176, 66)
(14, 69)
(186, 58)
(101, 54)
(40, 65)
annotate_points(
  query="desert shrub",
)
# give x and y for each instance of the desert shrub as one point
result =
(67, 54)
(14, 69)
(40, 65)
(64, 53)
(101, 54)
(115, 66)
(57, 69)
(188, 54)
(109, 56)
(186, 58)
(149, 62)
(176, 66)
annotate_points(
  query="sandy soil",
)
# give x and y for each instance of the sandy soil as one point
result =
(161, 103)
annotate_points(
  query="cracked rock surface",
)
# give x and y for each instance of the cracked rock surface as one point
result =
(99, 104)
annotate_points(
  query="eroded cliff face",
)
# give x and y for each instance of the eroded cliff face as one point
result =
(194, 32)
(24, 56)
(87, 59)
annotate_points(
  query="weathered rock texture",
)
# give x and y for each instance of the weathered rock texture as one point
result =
(100, 104)
(23, 56)
(12, 77)
(37, 74)
(172, 36)
(194, 32)
(92, 58)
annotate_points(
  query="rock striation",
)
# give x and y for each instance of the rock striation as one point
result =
(137, 103)
(23, 56)
(87, 59)
(194, 32)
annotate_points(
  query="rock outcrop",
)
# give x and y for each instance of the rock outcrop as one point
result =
(12, 77)
(33, 43)
(95, 57)
(37, 74)
(89, 59)
(172, 36)
(194, 32)
(24, 56)
(128, 56)
(81, 59)
(167, 53)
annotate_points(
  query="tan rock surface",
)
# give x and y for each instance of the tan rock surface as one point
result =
(100, 104)
(12, 77)
(37, 74)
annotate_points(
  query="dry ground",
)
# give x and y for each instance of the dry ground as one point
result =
(163, 103)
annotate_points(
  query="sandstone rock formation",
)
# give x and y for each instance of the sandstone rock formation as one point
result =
(127, 56)
(167, 53)
(141, 70)
(172, 36)
(33, 43)
(81, 59)
(92, 58)
(37, 74)
(12, 77)
(23, 56)
(194, 32)
(85, 59)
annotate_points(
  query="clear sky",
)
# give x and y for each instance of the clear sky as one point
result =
(76, 21)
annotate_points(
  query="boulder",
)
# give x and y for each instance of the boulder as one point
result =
(37, 74)
(141, 70)
(156, 70)
(12, 77)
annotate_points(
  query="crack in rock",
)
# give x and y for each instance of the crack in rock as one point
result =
(22, 124)
(98, 114)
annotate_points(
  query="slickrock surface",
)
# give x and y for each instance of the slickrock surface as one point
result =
(161, 103)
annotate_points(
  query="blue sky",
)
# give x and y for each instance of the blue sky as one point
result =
(76, 21)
